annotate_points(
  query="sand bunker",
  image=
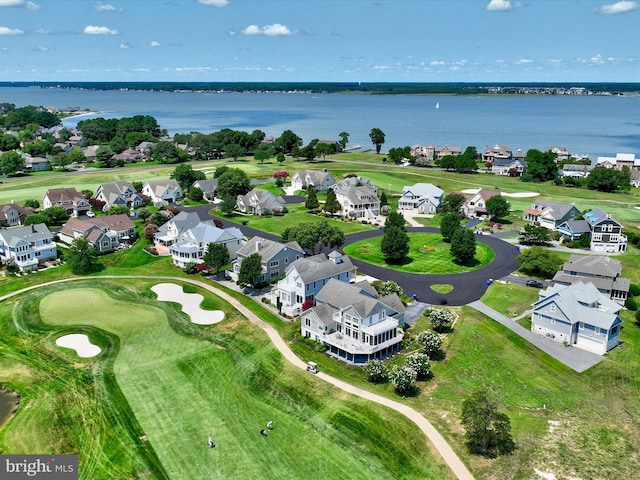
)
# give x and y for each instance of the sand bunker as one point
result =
(471, 191)
(170, 292)
(80, 343)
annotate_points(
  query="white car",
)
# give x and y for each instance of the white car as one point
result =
(90, 214)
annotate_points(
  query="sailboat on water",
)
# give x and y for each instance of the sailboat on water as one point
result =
(437, 105)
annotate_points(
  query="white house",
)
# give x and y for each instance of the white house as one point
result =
(305, 277)
(170, 232)
(193, 243)
(619, 161)
(27, 246)
(354, 323)
(550, 215)
(362, 201)
(162, 190)
(425, 197)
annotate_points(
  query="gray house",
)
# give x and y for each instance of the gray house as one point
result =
(27, 246)
(603, 272)
(170, 232)
(276, 257)
(120, 193)
(550, 215)
(208, 187)
(425, 197)
(577, 315)
(354, 323)
(260, 202)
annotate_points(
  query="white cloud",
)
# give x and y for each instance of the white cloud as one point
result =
(125, 45)
(503, 5)
(523, 61)
(10, 31)
(215, 3)
(154, 44)
(618, 7)
(274, 30)
(106, 7)
(19, 3)
(42, 31)
(43, 49)
(597, 59)
(435, 63)
(94, 30)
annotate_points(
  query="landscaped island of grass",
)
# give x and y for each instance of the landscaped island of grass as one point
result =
(427, 254)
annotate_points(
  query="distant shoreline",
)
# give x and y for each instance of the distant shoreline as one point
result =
(365, 88)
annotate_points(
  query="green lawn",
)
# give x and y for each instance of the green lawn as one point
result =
(436, 258)
(297, 214)
(176, 384)
(510, 299)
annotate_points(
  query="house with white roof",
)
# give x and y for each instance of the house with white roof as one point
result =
(120, 193)
(162, 190)
(27, 246)
(191, 246)
(305, 277)
(170, 232)
(577, 315)
(275, 257)
(619, 161)
(358, 202)
(424, 197)
(354, 323)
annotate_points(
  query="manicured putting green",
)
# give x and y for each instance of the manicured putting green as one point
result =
(227, 385)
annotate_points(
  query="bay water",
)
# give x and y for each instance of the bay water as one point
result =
(589, 125)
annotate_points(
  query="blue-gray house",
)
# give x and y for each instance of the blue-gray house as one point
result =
(577, 315)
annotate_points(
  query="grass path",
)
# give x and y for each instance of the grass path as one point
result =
(184, 351)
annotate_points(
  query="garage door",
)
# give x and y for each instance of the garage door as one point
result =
(589, 343)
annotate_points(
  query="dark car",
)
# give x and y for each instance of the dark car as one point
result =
(533, 283)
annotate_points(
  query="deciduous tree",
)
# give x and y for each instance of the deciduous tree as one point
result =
(539, 261)
(449, 225)
(463, 246)
(487, 428)
(440, 319)
(216, 256)
(419, 363)
(232, 183)
(11, 162)
(377, 138)
(403, 378)
(498, 207)
(250, 269)
(430, 342)
(81, 257)
(376, 371)
(344, 139)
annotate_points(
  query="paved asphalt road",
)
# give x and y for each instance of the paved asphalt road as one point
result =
(467, 287)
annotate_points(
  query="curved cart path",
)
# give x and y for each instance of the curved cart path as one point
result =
(441, 445)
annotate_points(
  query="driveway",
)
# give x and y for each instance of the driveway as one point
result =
(573, 357)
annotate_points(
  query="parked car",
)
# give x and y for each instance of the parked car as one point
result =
(90, 214)
(533, 283)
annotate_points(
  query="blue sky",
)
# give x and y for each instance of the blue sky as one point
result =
(320, 40)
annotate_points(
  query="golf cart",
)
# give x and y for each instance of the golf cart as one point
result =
(312, 367)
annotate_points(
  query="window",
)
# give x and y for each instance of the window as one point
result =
(613, 237)
(275, 263)
(307, 322)
(597, 237)
(552, 308)
(596, 330)
(275, 273)
(614, 329)
(581, 325)
(553, 321)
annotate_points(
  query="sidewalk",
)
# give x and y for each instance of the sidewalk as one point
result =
(574, 358)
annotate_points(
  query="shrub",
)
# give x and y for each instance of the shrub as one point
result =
(376, 370)
(403, 378)
(306, 305)
(430, 342)
(420, 363)
(440, 319)
(634, 290)
(631, 304)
